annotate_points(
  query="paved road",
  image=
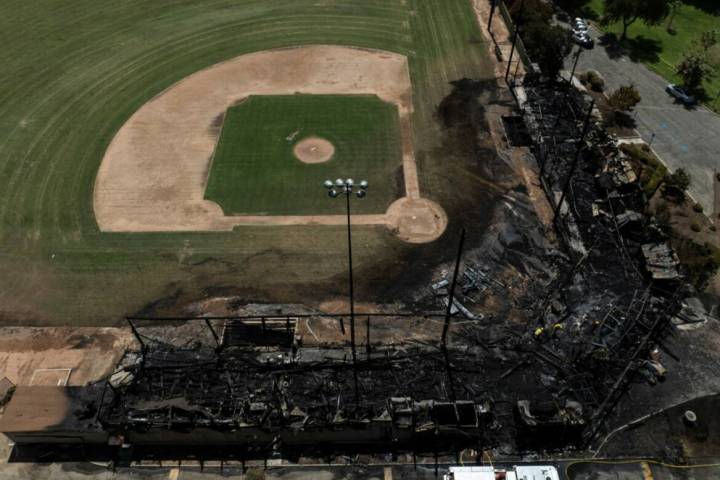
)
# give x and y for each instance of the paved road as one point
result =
(687, 138)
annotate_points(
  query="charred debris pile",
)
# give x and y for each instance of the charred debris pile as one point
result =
(544, 379)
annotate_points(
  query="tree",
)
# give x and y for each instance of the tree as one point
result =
(680, 179)
(547, 45)
(707, 40)
(572, 6)
(692, 68)
(676, 184)
(532, 11)
(674, 8)
(624, 98)
(652, 12)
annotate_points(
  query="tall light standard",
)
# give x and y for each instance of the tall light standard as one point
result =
(335, 189)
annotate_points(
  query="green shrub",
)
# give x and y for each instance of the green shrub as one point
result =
(624, 98)
(701, 260)
(641, 152)
(676, 184)
(595, 81)
(695, 227)
(698, 208)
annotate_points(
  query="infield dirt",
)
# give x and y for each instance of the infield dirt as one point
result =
(155, 171)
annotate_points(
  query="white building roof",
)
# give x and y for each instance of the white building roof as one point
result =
(537, 472)
(473, 473)
(530, 472)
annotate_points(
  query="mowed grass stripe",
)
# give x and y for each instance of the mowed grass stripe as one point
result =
(271, 32)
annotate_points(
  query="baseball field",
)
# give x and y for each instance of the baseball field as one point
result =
(151, 153)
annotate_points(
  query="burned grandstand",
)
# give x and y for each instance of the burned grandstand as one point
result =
(527, 344)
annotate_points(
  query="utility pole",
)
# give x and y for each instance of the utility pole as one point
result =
(367, 337)
(580, 147)
(512, 51)
(492, 12)
(451, 298)
(567, 85)
(572, 74)
(136, 333)
(515, 37)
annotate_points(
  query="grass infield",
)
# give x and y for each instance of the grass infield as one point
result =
(255, 172)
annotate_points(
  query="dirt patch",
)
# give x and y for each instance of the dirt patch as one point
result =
(155, 171)
(314, 150)
(417, 220)
(55, 356)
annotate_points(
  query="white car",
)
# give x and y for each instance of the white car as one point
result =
(583, 39)
(580, 25)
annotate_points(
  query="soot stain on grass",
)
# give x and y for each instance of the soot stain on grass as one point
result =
(469, 179)
(466, 161)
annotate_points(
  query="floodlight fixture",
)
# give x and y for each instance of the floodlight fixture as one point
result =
(335, 189)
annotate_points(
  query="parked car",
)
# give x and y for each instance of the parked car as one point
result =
(580, 24)
(681, 94)
(583, 39)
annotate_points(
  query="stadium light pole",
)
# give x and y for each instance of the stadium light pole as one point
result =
(348, 188)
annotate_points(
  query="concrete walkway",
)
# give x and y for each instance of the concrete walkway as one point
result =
(682, 137)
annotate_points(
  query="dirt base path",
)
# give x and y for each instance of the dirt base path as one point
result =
(414, 220)
(154, 173)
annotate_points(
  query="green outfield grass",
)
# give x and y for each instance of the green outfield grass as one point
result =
(254, 170)
(73, 72)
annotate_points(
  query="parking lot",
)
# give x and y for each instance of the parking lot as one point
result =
(684, 137)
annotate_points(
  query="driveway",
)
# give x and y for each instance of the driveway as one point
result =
(682, 137)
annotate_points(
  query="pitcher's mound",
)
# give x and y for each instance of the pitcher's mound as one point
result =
(314, 150)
